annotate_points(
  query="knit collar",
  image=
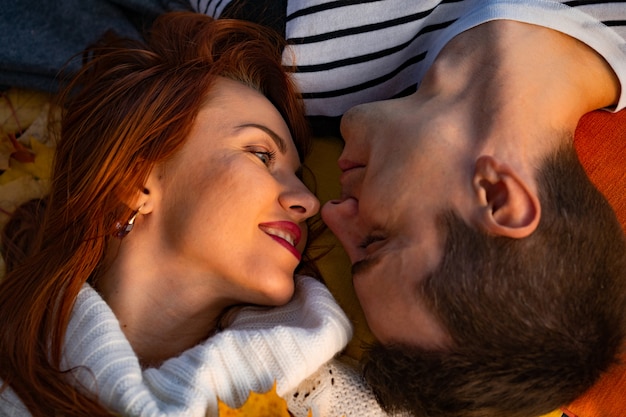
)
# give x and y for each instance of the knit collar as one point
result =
(284, 344)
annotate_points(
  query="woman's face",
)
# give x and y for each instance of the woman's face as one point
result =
(230, 207)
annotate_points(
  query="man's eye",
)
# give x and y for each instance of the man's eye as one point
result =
(369, 239)
(266, 157)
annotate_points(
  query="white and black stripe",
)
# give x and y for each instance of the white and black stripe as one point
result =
(210, 7)
(353, 51)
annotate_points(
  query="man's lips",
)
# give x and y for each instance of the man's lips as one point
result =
(347, 165)
(286, 233)
(349, 176)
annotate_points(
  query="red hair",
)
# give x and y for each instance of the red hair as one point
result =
(131, 106)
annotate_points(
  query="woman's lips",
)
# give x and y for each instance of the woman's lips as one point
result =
(288, 234)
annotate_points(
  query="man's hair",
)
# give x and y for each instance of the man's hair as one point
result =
(534, 322)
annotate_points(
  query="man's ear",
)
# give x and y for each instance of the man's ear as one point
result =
(507, 206)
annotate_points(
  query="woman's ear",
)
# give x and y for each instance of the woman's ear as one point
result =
(506, 205)
(144, 203)
(144, 198)
(151, 189)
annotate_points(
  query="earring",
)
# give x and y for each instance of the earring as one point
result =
(124, 229)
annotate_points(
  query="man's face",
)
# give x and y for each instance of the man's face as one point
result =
(400, 172)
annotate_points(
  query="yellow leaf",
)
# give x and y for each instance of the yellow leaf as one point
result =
(19, 191)
(40, 169)
(19, 108)
(268, 404)
(22, 110)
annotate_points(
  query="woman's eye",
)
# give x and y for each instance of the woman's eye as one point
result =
(266, 157)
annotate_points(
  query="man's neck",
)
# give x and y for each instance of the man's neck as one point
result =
(521, 78)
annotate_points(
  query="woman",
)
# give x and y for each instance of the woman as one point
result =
(175, 196)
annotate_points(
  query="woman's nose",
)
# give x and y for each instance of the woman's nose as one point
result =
(300, 202)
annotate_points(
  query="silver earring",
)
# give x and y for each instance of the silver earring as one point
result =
(124, 229)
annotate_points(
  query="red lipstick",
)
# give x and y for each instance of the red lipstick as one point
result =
(286, 233)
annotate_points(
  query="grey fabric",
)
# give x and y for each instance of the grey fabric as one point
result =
(40, 37)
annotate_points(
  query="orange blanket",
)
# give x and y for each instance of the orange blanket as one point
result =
(601, 144)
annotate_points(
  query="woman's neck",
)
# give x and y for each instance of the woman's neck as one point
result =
(160, 317)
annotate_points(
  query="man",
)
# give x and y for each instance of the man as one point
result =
(489, 268)
(471, 227)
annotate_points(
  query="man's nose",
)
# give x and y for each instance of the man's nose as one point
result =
(341, 216)
(352, 122)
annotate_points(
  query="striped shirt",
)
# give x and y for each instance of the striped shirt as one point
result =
(349, 52)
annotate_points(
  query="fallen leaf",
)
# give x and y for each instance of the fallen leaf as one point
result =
(21, 152)
(26, 150)
(269, 404)
(19, 108)
(19, 191)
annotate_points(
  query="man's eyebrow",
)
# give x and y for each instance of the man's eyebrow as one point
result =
(365, 265)
(280, 142)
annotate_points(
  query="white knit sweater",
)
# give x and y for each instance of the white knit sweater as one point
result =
(285, 344)
(337, 389)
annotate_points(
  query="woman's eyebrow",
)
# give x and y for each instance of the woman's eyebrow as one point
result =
(280, 142)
